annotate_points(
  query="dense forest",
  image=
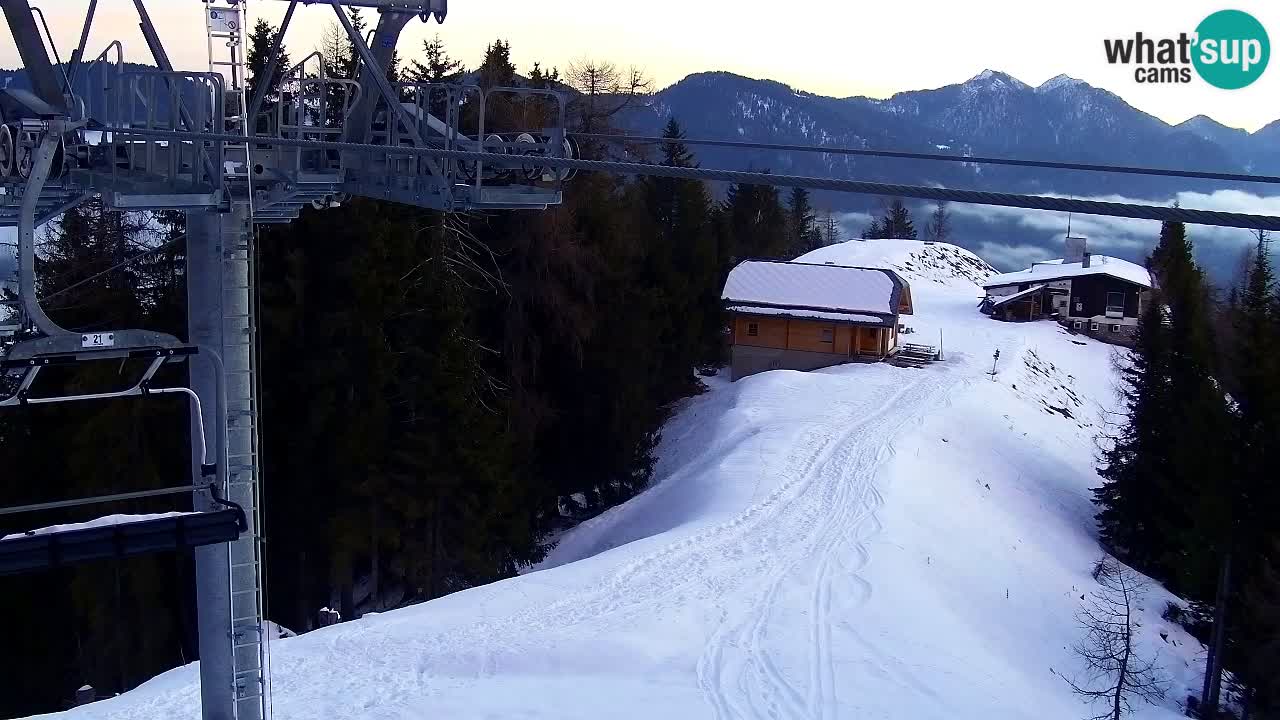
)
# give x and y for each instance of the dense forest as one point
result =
(443, 394)
(1190, 495)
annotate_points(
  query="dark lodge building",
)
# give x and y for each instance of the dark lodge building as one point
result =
(1095, 295)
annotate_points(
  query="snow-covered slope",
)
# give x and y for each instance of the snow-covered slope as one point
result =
(864, 541)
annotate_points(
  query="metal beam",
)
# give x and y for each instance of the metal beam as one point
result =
(78, 54)
(27, 237)
(864, 187)
(101, 499)
(384, 86)
(268, 73)
(390, 24)
(162, 61)
(35, 57)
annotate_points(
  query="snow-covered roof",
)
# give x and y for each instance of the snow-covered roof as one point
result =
(1010, 298)
(818, 287)
(811, 314)
(1059, 270)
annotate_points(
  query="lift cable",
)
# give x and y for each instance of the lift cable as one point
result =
(123, 263)
(1123, 169)
(979, 197)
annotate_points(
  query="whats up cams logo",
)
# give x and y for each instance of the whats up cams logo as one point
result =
(1229, 50)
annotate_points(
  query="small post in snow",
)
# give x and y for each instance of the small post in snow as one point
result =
(940, 344)
(994, 359)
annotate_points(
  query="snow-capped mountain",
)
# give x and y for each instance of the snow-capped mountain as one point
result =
(858, 541)
(992, 113)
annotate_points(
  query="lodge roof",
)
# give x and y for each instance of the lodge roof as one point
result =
(816, 290)
(1050, 270)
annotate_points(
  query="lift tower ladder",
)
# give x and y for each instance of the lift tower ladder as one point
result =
(225, 29)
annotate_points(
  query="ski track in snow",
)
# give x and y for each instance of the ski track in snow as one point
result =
(756, 579)
(737, 670)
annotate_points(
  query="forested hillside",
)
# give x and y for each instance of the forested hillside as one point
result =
(442, 394)
(1186, 497)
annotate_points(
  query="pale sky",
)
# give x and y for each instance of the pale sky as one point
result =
(830, 47)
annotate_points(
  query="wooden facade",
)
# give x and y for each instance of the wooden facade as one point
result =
(806, 335)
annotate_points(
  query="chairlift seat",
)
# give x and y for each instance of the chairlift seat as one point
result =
(44, 551)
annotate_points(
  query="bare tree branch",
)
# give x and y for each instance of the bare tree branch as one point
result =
(1113, 669)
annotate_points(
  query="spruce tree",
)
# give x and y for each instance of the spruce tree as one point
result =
(682, 265)
(755, 222)
(1255, 499)
(939, 227)
(436, 66)
(1164, 503)
(260, 40)
(897, 222)
(1260, 655)
(802, 228)
(1134, 514)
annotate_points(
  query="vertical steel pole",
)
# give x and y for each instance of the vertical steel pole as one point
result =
(219, 293)
(213, 562)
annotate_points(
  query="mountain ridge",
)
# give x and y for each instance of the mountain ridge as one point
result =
(991, 113)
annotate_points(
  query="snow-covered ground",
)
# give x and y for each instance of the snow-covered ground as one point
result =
(864, 541)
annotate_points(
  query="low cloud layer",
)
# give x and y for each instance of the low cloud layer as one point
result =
(1013, 238)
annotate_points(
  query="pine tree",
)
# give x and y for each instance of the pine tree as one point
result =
(755, 223)
(682, 265)
(1255, 499)
(939, 227)
(802, 229)
(438, 66)
(1261, 629)
(830, 232)
(350, 59)
(260, 40)
(897, 222)
(1158, 513)
(1134, 513)
(497, 70)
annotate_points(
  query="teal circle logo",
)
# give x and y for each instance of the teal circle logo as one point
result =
(1232, 49)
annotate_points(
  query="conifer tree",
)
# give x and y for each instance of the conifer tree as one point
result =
(436, 65)
(830, 230)
(802, 227)
(1134, 513)
(1255, 500)
(755, 223)
(1159, 512)
(1260, 655)
(939, 227)
(260, 40)
(897, 222)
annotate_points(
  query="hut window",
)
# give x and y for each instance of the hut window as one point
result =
(1115, 302)
(1093, 327)
(1115, 328)
(1079, 325)
(753, 329)
(828, 335)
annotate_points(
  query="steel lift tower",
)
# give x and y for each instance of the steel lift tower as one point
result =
(139, 139)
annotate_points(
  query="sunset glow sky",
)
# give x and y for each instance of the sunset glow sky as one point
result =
(839, 48)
